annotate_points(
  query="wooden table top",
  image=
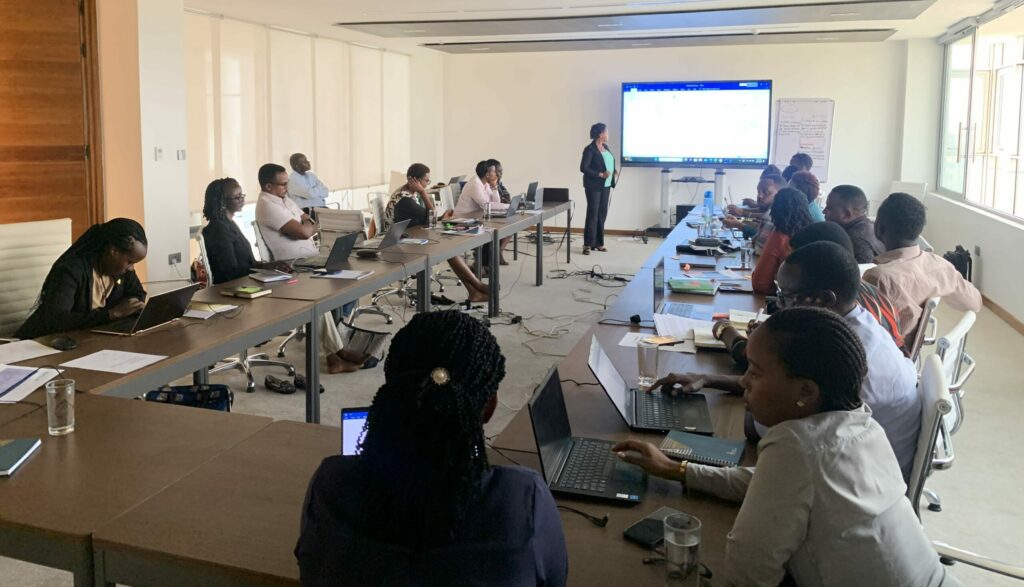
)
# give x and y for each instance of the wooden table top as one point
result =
(121, 453)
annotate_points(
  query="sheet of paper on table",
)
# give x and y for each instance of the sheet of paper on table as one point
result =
(114, 361)
(23, 350)
(631, 338)
(16, 383)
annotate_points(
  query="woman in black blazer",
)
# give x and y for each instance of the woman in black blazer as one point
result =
(93, 282)
(599, 175)
(227, 249)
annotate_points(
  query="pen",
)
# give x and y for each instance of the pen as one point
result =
(760, 311)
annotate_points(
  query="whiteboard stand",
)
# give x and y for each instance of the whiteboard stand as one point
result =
(664, 225)
(720, 188)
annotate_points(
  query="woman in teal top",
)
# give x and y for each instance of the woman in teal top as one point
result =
(599, 175)
(806, 182)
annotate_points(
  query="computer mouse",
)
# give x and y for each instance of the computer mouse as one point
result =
(366, 253)
(64, 343)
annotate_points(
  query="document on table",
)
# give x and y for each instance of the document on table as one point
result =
(16, 383)
(414, 241)
(23, 350)
(679, 327)
(741, 318)
(684, 346)
(114, 361)
(345, 274)
(204, 311)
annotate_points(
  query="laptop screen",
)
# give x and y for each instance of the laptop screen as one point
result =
(353, 420)
(394, 234)
(550, 424)
(659, 284)
(611, 380)
(531, 191)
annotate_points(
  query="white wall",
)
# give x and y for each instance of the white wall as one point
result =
(921, 107)
(163, 103)
(532, 111)
(427, 92)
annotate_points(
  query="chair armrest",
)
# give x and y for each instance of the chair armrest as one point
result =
(7, 340)
(931, 331)
(977, 560)
(964, 375)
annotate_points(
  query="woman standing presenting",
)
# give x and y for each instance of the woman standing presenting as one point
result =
(599, 175)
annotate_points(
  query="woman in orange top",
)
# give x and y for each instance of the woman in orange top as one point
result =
(789, 214)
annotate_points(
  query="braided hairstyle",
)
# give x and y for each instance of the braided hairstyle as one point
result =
(213, 202)
(816, 344)
(789, 211)
(424, 454)
(120, 233)
(806, 182)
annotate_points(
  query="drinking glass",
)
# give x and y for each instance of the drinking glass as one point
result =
(60, 406)
(647, 363)
(682, 551)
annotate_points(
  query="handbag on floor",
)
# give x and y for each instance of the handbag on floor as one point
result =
(961, 259)
(209, 396)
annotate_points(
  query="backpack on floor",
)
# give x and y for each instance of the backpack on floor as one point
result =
(211, 397)
(961, 259)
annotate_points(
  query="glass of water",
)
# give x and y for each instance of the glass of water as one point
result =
(682, 551)
(60, 406)
(647, 363)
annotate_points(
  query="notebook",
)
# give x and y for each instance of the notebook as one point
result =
(14, 452)
(246, 291)
(704, 339)
(705, 450)
(694, 285)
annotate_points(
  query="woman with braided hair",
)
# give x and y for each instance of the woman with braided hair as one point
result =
(421, 505)
(93, 282)
(826, 503)
(789, 214)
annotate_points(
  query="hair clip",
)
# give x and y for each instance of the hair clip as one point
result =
(440, 376)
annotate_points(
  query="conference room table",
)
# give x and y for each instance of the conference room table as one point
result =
(121, 454)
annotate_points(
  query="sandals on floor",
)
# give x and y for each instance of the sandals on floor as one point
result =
(602, 249)
(586, 250)
(282, 386)
(300, 382)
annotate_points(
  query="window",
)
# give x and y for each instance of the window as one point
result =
(981, 124)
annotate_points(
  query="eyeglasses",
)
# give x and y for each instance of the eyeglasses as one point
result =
(787, 299)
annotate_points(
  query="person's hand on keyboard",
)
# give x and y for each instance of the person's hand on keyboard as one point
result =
(676, 383)
(647, 456)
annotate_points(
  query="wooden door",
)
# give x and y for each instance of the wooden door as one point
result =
(49, 144)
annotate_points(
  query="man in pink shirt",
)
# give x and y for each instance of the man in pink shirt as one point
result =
(478, 192)
(909, 276)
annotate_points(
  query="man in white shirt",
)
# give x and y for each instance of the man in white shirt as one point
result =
(825, 275)
(304, 186)
(286, 229)
(477, 192)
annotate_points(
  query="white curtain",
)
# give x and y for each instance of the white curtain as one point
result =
(245, 121)
(367, 143)
(292, 120)
(333, 110)
(203, 157)
(396, 122)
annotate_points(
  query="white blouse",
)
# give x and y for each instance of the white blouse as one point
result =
(825, 503)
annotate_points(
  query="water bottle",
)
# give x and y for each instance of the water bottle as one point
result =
(709, 206)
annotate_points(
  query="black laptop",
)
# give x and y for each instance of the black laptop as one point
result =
(682, 309)
(390, 238)
(649, 411)
(338, 257)
(159, 310)
(578, 466)
(534, 197)
(557, 195)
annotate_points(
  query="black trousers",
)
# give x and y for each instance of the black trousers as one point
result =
(597, 211)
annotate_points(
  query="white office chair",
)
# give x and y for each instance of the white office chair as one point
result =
(931, 454)
(27, 251)
(446, 194)
(244, 362)
(914, 188)
(340, 222)
(266, 256)
(950, 554)
(927, 326)
(925, 245)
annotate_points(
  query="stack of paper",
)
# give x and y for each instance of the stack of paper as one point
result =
(684, 346)
(23, 350)
(703, 339)
(679, 327)
(16, 383)
(270, 276)
(204, 311)
(345, 274)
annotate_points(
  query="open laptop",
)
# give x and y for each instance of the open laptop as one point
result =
(578, 466)
(159, 310)
(455, 179)
(558, 195)
(353, 421)
(681, 309)
(649, 411)
(390, 238)
(338, 257)
(534, 197)
(512, 210)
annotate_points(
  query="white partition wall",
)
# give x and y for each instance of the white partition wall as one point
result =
(367, 143)
(396, 123)
(244, 113)
(333, 111)
(292, 115)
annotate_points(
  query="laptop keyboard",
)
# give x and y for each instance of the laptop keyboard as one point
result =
(589, 466)
(656, 412)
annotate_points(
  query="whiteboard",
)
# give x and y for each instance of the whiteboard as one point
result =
(804, 125)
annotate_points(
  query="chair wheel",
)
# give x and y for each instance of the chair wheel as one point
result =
(935, 507)
(280, 354)
(291, 371)
(947, 561)
(388, 320)
(250, 387)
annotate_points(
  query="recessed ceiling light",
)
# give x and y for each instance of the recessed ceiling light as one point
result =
(480, 49)
(415, 31)
(827, 39)
(611, 24)
(641, 45)
(845, 14)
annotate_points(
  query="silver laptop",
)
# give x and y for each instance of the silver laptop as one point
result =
(681, 309)
(159, 310)
(390, 238)
(512, 210)
(534, 196)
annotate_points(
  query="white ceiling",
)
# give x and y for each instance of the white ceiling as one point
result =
(318, 16)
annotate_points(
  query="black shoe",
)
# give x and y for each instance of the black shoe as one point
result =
(282, 386)
(370, 363)
(300, 382)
